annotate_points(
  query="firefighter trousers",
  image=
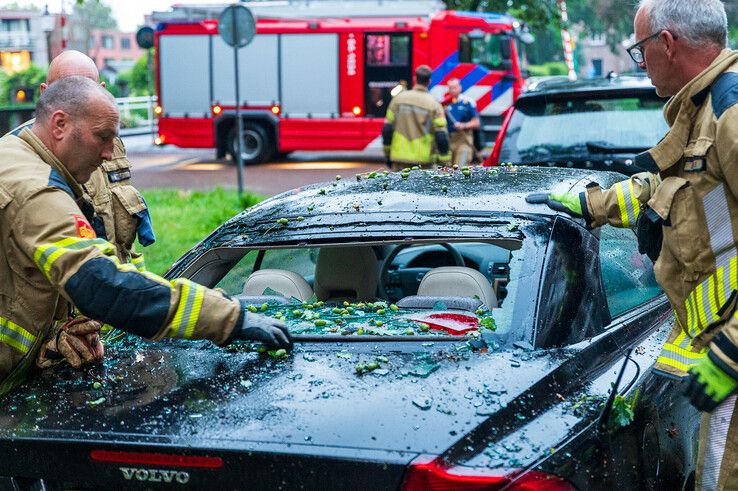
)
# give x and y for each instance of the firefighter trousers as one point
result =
(717, 465)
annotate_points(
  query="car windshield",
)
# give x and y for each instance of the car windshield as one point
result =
(422, 288)
(546, 129)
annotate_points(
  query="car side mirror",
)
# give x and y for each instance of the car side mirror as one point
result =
(505, 48)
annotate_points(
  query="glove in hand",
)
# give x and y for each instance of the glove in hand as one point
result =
(77, 341)
(708, 385)
(568, 203)
(272, 332)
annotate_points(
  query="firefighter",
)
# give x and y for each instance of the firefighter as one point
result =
(685, 210)
(51, 258)
(463, 119)
(120, 214)
(414, 131)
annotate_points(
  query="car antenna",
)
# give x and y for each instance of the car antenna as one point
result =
(605, 415)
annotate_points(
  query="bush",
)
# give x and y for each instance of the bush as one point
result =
(548, 69)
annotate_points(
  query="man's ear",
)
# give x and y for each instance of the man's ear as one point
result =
(59, 124)
(44, 86)
(102, 84)
(669, 44)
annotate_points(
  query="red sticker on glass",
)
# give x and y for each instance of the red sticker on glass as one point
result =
(84, 230)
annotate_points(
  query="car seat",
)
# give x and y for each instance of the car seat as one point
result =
(346, 273)
(286, 283)
(456, 287)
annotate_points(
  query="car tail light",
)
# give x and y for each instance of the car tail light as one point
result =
(276, 110)
(217, 109)
(356, 110)
(494, 157)
(428, 473)
(159, 140)
(158, 459)
(158, 110)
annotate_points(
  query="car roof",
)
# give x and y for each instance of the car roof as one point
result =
(499, 189)
(614, 83)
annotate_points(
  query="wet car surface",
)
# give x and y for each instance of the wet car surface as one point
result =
(424, 394)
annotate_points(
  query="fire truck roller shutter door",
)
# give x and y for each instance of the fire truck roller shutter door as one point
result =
(309, 75)
(258, 72)
(185, 86)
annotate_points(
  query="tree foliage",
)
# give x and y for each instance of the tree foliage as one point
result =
(95, 14)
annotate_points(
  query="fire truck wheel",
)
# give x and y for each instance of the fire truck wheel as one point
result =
(257, 145)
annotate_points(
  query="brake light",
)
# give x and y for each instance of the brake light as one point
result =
(159, 140)
(356, 110)
(428, 473)
(494, 158)
(158, 459)
(275, 110)
(158, 110)
(217, 109)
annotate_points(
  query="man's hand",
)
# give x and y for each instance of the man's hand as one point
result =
(77, 342)
(273, 333)
(569, 203)
(460, 126)
(708, 385)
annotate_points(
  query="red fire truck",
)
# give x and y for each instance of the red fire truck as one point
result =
(319, 75)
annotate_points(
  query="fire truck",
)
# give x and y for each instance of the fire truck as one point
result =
(319, 75)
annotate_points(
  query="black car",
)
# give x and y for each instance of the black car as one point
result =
(448, 336)
(597, 124)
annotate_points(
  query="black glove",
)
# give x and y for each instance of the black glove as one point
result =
(650, 233)
(273, 333)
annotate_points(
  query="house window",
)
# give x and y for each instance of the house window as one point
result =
(125, 43)
(107, 42)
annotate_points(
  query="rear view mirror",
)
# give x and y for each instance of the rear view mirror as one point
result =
(505, 48)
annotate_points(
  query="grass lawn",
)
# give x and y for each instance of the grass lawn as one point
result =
(183, 218)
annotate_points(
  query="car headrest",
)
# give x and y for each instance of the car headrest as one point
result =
(348, 273)
(286, 283)
(457, 281)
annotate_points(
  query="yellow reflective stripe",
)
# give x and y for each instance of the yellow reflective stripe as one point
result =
(711, 298)
(679, 358)
(14, 335)
(720, 277)
(701, 314)
(439, 122)
(389, 117)
(139, 263)
(418, 150)
(692, 355)
(621, 205)
(46, 254)
(188, 310)
(734, 274)
(633, 200)
(195, 314)
(673, 363)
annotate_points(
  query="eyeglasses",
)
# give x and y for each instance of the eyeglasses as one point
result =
(636, 51)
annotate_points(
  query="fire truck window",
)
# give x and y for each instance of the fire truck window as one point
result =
(387, 50)
(483, 50)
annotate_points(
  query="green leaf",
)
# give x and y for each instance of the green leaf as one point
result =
(622, 412)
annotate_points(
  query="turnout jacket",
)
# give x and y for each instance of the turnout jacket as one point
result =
(50, 257)
(121, 212)
(692, 189)
(415, 128)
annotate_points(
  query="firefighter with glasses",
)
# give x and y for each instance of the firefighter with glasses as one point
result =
(685, 211)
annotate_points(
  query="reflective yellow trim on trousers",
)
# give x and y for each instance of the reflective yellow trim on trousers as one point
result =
(389, 117)
(188, 311)
(15, 336)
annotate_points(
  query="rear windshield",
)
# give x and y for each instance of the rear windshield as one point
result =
(382, 289)
(552, 128)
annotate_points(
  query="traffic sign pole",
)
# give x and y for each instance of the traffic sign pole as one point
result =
(237, 27)
(239, 121)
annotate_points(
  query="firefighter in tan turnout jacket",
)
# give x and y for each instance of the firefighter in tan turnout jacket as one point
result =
(51, 258)
(120, 214)
(685, 210)
(414, 131)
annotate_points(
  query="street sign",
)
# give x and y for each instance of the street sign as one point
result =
(145, 37)
(237, 26)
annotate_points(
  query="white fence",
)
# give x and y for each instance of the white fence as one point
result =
(128, 104)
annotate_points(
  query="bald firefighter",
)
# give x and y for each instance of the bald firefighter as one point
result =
(414, 131)
(51, 257)
(685, 210)
(120, 214)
